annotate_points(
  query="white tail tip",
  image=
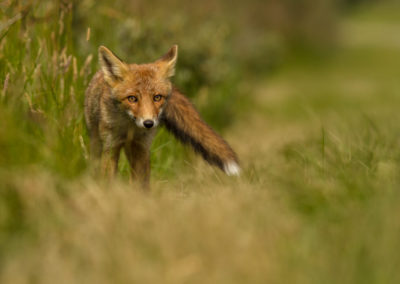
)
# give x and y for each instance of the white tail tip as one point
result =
(231, 168)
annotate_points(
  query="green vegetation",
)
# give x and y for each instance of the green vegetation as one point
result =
(310, 103)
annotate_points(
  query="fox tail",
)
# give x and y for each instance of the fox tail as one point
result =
(184, 122)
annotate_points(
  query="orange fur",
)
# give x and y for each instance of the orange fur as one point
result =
(181, 118)
(124, 104)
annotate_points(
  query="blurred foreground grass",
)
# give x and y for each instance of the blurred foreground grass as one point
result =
(317, 202)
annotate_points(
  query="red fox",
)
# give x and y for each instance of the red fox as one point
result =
(125, 103)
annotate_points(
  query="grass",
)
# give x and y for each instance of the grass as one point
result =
(316, 203)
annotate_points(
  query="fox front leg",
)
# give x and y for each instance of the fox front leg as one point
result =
(138, 155)
(95, 148)
(109, 162)
(109, 157)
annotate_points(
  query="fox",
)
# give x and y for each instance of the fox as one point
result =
(126, 103)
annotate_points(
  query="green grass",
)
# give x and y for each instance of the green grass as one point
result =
(318, 141)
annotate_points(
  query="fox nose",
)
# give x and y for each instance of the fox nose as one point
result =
(148, 123)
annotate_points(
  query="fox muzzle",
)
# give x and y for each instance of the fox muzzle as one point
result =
(148, 123)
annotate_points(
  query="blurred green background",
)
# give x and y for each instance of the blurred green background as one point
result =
(307, 92)
(49, 53)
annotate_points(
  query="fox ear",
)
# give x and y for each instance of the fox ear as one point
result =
(113, 68)
(167, 61)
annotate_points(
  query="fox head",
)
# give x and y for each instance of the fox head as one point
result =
(140, 90)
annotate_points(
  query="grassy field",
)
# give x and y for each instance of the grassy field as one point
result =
(317, 201)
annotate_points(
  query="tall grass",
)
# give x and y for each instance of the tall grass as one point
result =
(317, 200)
(49, 53)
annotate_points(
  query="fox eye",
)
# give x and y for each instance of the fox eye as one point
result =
(132, 99)
(157, 98)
